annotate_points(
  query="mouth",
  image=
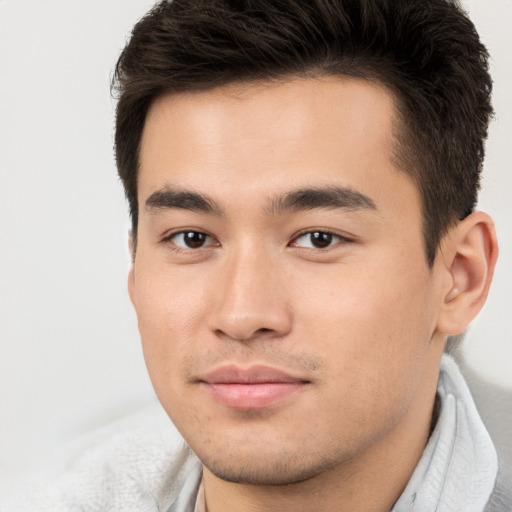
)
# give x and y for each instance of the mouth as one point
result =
(255, 387)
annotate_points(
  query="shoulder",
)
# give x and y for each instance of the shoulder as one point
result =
(494, 404)
(140, 463)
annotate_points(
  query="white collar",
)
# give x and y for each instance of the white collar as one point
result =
(458, 469)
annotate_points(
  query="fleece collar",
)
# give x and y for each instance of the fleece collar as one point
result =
(458, 468)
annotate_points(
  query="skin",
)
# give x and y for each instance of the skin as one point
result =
(360, 322)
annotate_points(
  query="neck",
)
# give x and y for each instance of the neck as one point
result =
(369, 482)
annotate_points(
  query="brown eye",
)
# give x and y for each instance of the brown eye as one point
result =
(318, 240)
(191, 240)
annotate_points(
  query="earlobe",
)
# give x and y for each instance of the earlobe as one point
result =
(470, 252)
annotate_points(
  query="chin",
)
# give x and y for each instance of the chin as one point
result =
(281, 469)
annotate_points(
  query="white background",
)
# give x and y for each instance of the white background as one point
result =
(69, 351)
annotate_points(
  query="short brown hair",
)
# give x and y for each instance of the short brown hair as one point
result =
(427, 52)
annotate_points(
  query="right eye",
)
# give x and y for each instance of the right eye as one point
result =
(191, 240)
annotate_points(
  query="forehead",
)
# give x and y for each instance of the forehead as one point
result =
(279, 111)
(269, 136)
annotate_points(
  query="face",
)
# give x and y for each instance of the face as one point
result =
(284, 301)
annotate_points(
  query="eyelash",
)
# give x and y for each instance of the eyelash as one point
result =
(341, 240)
(175, 247)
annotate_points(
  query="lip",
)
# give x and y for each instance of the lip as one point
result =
(255, 387)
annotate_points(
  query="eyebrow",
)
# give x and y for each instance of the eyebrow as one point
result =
(303, 199)
(331, 197)
(171, 198)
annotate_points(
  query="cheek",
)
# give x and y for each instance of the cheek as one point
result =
(168, 298)
(170, 311)
(372, 303)
(372, 327)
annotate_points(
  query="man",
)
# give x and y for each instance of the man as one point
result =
(302, 178)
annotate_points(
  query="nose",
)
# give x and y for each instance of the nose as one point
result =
(250, 301)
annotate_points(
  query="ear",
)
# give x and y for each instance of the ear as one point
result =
(131, 272)
(468, 252)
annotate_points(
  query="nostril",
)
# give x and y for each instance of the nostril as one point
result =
(263, 330)
(262, 333)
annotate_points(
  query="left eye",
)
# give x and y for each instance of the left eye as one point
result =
(191, 240)
(317, 240)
